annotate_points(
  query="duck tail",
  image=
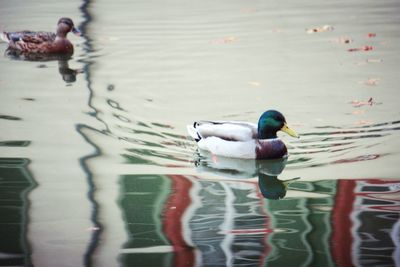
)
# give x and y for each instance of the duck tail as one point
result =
(193, 132)
(4, 36)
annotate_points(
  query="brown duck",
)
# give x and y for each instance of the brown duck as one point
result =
(29, 42)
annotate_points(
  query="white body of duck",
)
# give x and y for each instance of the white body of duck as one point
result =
(242, 139)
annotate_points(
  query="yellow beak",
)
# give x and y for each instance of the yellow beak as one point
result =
(289, 131)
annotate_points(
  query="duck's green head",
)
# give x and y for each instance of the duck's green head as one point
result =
(272, 121)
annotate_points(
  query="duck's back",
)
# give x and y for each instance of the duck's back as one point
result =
(29, 37)
(231, 131)
(37, 42)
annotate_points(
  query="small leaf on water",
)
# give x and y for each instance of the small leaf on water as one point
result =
(248, 10)
(225, 40)
(277, 30)
(358, 112)
(367, 48)
(363, 48)
(374, 60)
(370, 102)
(108, 39)
(325, 28)
(363, 122)
(255, 83)
(372, 81)
(343, 40)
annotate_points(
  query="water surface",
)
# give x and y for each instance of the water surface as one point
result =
(96, 168)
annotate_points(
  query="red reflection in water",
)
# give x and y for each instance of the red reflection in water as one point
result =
(364, 214)
(359, 158)
(341, 229)
(178, 201)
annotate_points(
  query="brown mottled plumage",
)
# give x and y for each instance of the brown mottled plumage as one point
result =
(43, 42)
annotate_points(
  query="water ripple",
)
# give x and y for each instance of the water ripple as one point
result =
(336, 145)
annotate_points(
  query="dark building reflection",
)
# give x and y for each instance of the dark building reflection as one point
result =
(16, 183)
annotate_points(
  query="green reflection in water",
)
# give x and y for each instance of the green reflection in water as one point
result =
(180, 220)
(142, 202)
(16, 182)
(16, 143)
(302, 227)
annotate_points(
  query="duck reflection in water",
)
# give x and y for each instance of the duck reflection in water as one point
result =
(267, 171)
(67, 74)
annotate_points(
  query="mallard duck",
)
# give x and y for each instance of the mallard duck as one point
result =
(43, 42)
(243, 139)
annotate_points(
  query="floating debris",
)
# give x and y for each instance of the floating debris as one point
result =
(368, 61)
(374, 60)
(255, 83)
(248, 10)
(363, 122)
(371, 35)
(363, 48)
(343, 40)
(225, 40)
(358, 112)
(277, 30)
(370, 102)
(325, 28)
(108, 39)
(372, 81)
(28, 99)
